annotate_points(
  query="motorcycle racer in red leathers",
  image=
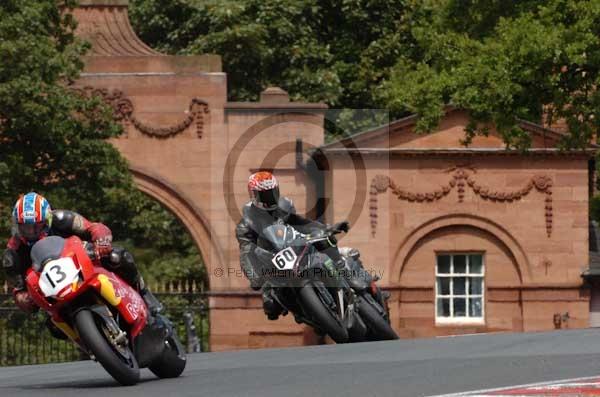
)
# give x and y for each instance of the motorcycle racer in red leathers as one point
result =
(33, 220)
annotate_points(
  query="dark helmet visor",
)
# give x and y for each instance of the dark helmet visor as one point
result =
(31, 231)
(268, 199)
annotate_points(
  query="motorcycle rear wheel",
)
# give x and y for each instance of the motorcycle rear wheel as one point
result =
(321, 315)
(172, 362)
(125, 371)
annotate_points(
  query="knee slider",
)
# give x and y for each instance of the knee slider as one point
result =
(11, 262)
(120, 257)
(127, 259)
(115, 257)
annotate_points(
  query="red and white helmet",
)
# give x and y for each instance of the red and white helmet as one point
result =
(263, 190)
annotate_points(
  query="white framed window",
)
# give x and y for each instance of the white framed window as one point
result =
(459, 288)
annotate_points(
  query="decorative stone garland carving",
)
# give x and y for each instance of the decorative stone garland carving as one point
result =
(123, 112)
(459, 180)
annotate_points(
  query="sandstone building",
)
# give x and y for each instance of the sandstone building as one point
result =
(473, 239)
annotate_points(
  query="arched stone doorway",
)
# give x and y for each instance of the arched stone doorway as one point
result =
(504, 268)
(475, 221)
(176, 271)
(184, 209)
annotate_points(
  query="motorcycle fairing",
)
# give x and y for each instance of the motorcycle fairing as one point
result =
(108, 285)
(123, 297)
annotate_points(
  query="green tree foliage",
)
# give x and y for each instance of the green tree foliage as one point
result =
(502, 60)
(504, 64)
(479, 18)
(163, 249)
(336, 51)
(261, 43)
(54, 141)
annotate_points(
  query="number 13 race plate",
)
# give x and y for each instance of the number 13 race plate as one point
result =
(57, 275)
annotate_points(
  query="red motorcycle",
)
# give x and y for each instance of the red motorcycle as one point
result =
(99, 312)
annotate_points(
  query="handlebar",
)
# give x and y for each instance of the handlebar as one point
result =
(340, 227)
(90, 250)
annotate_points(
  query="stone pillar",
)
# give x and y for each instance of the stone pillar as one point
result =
(179, 135)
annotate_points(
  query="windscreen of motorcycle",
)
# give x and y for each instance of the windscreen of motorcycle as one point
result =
(46, 249)
(280, 236)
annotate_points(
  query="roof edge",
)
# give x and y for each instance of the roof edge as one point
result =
(412, 119)
(456, 152)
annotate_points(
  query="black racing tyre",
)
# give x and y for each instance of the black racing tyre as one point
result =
(172, 362)
(125, 371)
(322, 316)
(379, 328)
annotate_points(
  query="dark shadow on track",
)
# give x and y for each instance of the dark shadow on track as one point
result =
(84, 384)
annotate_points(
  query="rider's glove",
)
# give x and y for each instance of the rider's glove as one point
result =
(340, 264)
(24, 301)
(345, 226)
(342, 226)
(101, 237)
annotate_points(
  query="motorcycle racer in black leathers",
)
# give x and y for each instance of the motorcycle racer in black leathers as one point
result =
(265, 208)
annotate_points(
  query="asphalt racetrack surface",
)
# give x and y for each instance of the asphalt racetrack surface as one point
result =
(416, 367)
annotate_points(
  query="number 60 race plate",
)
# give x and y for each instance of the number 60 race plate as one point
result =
(285, 259)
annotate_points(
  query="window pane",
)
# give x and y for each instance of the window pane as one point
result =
(475, 284)
(475, 264)
(443, 285)
(443, 307)
(460, 263)
(460, 307)
(459, 285)
(475, 307)
(443, 263)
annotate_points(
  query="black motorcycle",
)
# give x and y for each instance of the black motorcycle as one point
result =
(305, 282)
(371, 301)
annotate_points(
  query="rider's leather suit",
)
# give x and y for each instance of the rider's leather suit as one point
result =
(248, 233)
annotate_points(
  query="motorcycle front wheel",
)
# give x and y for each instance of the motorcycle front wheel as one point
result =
(120, 362)
(321, 314)
(379, 328)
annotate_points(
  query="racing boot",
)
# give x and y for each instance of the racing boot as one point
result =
(153, 304)
(54, 330)
(122, 263)
(256, 283)
(271, 307)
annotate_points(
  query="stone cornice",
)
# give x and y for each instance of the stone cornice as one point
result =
(237, 293)
(106, 3)
(402, 125)
(245, 106)
(531, 286)
(445, 152)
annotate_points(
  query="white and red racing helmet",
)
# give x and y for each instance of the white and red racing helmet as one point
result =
(263, 190)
